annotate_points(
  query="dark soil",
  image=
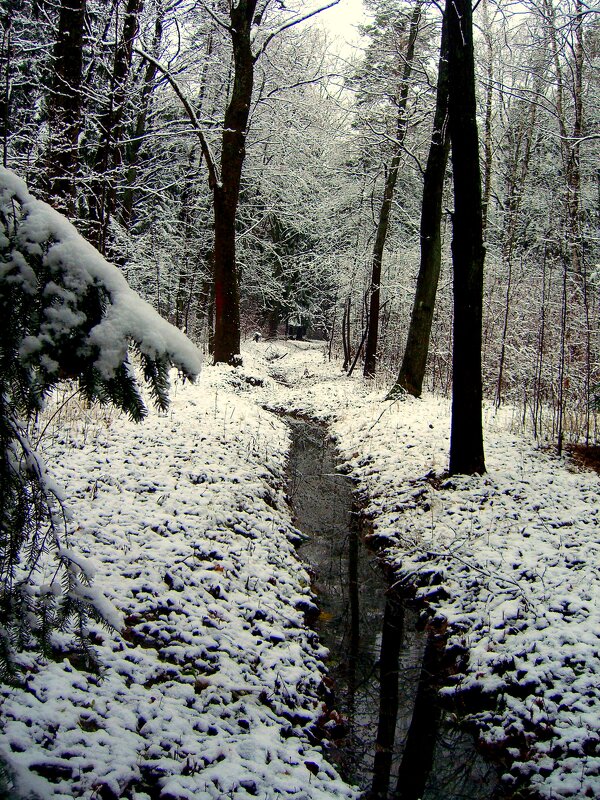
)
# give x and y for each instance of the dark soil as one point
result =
(587, 456)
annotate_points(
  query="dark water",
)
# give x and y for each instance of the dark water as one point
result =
(383, 669)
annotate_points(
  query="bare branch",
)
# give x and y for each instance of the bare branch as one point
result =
(221, 23)
(291, 24)
(213, 175)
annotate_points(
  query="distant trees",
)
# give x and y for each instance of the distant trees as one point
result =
(89, 116)
(540, 343)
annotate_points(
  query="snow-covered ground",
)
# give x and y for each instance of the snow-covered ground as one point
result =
(511, 560)
(211, 686)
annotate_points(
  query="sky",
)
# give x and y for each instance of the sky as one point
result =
(341, 22)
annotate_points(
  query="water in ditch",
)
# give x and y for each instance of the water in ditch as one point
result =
(382, 668)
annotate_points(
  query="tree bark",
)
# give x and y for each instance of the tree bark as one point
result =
(6, 62)
(227, 191)
(64, 108)
(132, 151)
(388, 196)
(466, 439)
(108, 156)
(412, 371)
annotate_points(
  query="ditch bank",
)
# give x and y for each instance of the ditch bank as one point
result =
(386, 730)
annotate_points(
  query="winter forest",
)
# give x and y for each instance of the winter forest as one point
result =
(300, 384)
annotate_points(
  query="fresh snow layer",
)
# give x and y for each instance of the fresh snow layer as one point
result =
(208, 690)
(511, 560)
(77, 265)
(210, 686)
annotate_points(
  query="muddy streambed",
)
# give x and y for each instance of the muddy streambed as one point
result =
(381, 666)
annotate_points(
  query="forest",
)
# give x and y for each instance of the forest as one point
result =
(125, 117)
(396, 238)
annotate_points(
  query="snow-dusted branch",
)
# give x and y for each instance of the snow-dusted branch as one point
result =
(291, 24)
(213, 175)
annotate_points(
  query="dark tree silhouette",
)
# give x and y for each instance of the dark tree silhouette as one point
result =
(65, 106)
(466, 439)
(412, 371)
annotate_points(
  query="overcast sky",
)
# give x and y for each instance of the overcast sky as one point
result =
(342, 19)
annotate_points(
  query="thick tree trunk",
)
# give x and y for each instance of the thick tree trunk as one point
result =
(388, 196)
(227, 192)
(466, 440)
(412, 370)
(64, 108)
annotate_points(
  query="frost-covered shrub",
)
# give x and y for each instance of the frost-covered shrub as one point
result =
(65, 313)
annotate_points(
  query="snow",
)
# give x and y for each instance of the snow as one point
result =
(212, 683)
(79, 266)
(209, 687)
(508, 560)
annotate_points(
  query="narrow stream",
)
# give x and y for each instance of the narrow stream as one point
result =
(382, 667)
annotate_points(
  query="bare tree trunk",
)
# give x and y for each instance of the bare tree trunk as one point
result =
(132, 152)
(226, 193)
(346, 334)
(466, 439)
(517, 175)
(388, 196)
(108, 156)
(412, 370)
(5, 60)
(487, 125)
(539, 369)
(562, 378)
(65, 107)
(570, 150)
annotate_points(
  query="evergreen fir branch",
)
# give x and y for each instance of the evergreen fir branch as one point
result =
(55, 302)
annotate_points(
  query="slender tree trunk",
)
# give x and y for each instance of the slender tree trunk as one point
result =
(108, 157)
(412, 370)
(562, 382)
(539, 367)
(502, 359)
(466, 439)
(132, 151)
(227, 191)
(346, 334)
(517, 176)
(487, 129)
(65, 107)
(570, 150)
(388, 196)
(5, 60)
